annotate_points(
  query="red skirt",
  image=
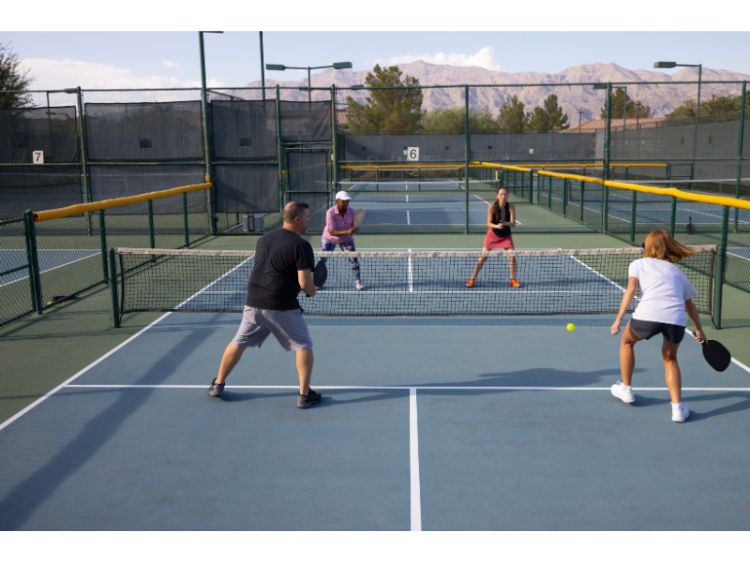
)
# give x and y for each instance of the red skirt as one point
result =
(494, 242)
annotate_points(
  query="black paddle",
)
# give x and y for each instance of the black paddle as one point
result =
(320, 274)
(716, 355)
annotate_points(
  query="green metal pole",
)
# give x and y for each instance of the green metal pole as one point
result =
(583, 195)
(113, 288)
(721, 264)
(151, 233)
(103, 244)
(607, 140)
(33, 258)
(204, 131)
(83, 144)
(334, 147)
(467, 156)
(186, 219)
(262, 70)
(673, 217)
(697, 123)
(633, 216)
(740, 148)
(279, 150)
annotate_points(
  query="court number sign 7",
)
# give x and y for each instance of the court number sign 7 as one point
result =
(38, 157)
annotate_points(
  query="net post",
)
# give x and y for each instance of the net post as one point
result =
(116, 318)
(33, 259)
(103, 244)
(151, 232)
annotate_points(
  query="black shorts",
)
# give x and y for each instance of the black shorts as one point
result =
(646, 330)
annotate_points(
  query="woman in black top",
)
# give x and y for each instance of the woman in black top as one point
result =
(501, 217)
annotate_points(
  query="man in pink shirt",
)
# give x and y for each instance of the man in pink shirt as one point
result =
(340, 229)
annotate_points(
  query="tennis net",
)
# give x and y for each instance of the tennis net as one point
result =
(398, 283)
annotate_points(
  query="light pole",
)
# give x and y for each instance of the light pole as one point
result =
(672, 64)
(335, 65)
(204, 121)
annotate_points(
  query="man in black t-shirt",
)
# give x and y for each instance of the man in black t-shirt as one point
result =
(283, 266)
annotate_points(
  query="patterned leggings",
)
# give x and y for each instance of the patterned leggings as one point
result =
(326, 246)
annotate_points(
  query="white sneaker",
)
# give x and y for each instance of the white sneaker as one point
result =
(680, 412)
(358, 285)
(624, 393)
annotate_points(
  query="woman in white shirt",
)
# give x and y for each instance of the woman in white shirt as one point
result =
(664, 306)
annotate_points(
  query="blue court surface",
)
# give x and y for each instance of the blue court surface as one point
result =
(49, 260)
(457, 423)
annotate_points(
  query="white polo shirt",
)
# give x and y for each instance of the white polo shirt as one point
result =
(664, 290)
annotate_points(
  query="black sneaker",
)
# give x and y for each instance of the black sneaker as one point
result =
(216, 390)
(311, 399)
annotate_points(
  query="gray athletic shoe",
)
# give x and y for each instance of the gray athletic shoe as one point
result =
(311, 399)
(215, 390)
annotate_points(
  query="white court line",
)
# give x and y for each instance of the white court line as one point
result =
(746, 258)
(403, 388)
(62, 385)
(90, 366)
(416, 497)
(67, 263)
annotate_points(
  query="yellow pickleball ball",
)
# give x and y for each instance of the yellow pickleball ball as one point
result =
(570, 327)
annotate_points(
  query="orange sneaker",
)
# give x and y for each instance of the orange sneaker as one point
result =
(515, 283)
(470, 283)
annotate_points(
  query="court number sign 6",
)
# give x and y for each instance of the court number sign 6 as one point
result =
(412, 153)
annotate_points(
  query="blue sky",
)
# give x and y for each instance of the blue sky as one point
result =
(116, 59)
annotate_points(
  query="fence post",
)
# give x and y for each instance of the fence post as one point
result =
(607, 140)
(740, 147)
(467, 157)
(33, 259)
(721, 263)
(334, 148)
(151, 232)
(103, 243)
(186, 219)
(279, 150)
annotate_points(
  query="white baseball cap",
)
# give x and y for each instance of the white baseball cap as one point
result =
(343, 195)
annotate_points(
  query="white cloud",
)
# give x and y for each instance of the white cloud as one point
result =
(171, 65)
(482, 58)
(57, 74)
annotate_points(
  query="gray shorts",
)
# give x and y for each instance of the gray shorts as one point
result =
(288, 326)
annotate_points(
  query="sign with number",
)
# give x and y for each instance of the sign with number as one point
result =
(412, 153)
(38, 157)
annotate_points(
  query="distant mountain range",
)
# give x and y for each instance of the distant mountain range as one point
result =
(579, 102)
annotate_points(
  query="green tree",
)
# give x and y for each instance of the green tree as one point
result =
(512, 118)
(12, 78)
(623, 106)
(716, 109)
(395, 109)
(452, 121)
(549, 117)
